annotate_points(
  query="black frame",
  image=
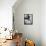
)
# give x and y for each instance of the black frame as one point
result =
(28, 19)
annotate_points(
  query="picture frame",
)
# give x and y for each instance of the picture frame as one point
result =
(28, 19)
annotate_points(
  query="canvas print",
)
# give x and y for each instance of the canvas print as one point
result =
(28, 19)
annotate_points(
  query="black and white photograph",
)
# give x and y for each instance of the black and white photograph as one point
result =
(28, 19)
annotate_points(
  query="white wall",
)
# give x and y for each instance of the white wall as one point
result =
(43, 22)
(6, 13)
(29, 31)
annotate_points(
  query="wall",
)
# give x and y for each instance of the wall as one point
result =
(43, 22)
(6, 13)
(29, 31)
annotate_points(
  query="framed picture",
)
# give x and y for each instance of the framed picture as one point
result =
(28, 19)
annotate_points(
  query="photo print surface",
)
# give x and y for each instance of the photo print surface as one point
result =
(28, 19)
